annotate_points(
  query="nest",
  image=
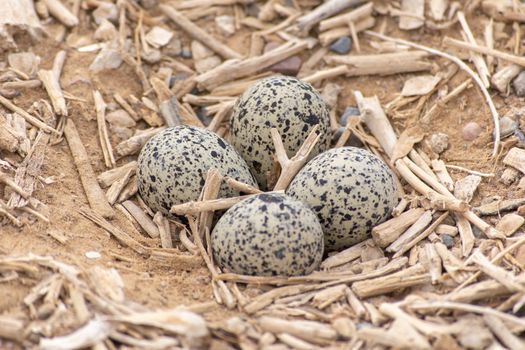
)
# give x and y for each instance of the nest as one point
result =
(436, 275)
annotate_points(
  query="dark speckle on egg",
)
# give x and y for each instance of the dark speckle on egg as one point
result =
(266, 235)
(292, 107)
(351, 191)
(173, 165)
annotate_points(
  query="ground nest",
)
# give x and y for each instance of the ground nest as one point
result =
(433, 88)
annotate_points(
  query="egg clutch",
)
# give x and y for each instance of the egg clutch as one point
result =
(332, 203)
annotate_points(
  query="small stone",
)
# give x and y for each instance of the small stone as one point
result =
(207, 63)
(342, 46)
(420, 85)
(199, 51)
(471, 131)
(120, 118)
(519, 84)
(26, 62)
(55, 31)
(476, 231)
(186, 52)
(510, 223)
(439, 142)
(151, 56)
(226, 24)
(289, 66)
(507, 126)
(107, 58)
(106, 31)
(174, 47)
(120, 133)
(509, 176)
(465, 188)
(159, 37)
(447, 240)
(105, 10)
(349, 111)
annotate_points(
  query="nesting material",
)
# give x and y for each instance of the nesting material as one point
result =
(268, 234)
(420, 85)
(350, 189)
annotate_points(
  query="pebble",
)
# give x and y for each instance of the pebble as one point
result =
(208, 63)
(519, 84)
(439, 142)
(120, 118)
(471, 131)
(174, 47)
(289, 66)
(186, 52)
(349, 111)
(199, 51)
(226, 24)
(151, 56)
(105, 31)
(107, 58)
(447, 240)
(120, 133)
(342, 46)
(105, 10)
(507, 126)
(159, 37)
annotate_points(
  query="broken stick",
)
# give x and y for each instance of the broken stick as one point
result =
(197, 33)
(290, 167)
(96, 198)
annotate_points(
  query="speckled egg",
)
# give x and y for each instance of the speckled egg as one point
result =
(268, 234)
(351, 191)
(173, 165)
(291, 106)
